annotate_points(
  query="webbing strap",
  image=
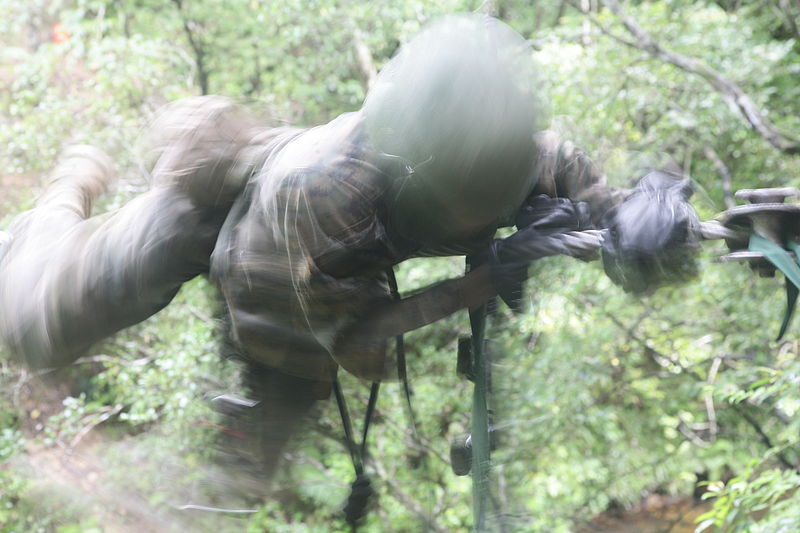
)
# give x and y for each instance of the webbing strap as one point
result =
(373, 400)
(361, 490)
(402, 375)
(784, 262)
(355, 453)
(402, 370)
(480, 419)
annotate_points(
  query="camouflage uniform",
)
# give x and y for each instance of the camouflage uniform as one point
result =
(299, 225)
(294, 226)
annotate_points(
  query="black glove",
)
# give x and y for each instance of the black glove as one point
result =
(540, 217)
(553, 215)
(653, 235)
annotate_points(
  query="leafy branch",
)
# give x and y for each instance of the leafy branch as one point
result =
(732, 93)
(199, 50)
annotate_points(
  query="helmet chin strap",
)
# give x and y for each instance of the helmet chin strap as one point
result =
(416, 214)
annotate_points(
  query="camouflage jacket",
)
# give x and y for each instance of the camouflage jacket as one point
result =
(305, 249)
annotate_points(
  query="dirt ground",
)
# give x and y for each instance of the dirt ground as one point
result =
(656, 514)
(72, 471)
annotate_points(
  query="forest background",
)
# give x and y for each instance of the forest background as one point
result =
(605, 400)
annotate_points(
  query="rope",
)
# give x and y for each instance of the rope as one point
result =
(402, 367)
(713, 230)
(373, 399)
(358, 465)
(586, 243)
(582, 244)
(402, 375)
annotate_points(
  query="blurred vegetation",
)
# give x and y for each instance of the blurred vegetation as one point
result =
(603, 399)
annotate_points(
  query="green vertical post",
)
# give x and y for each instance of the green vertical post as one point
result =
(480, 421)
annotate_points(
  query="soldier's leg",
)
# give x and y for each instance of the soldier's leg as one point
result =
(31, 254)
(68, 280)
(260, 426)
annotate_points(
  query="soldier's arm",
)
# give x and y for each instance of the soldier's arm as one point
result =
(566, 171)
(391, 318)
(563, 170)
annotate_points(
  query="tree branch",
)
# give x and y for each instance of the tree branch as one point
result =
(197, 48)
(562, 7)
(764, 437)
(786, 11)
(713, 429)
(366, 65)
(687, 431)
(737, 408)
(734, 95)
(724, 174)
(410, 503)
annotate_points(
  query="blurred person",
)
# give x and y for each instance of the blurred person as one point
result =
(299, 228)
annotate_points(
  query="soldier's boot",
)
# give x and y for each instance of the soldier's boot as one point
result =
(284, 401)
(5, 240)
(82, 174)
(235, 445)
(255, 431)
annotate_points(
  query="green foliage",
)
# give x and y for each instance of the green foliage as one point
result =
(601, 399)
(757, 500)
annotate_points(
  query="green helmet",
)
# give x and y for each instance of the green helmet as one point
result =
(458, 106)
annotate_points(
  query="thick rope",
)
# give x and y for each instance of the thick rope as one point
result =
(584, 244)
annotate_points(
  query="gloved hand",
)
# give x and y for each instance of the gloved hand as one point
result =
(539, 218)
(552, 215)
(653, 235)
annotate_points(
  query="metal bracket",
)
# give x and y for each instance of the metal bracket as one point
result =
(766, 215)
